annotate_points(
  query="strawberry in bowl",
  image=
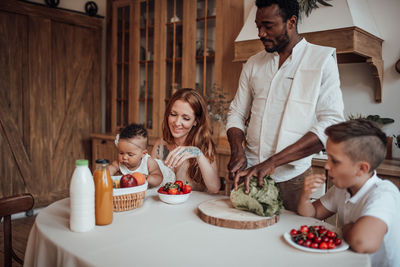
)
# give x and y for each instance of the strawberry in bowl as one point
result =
(174, 193)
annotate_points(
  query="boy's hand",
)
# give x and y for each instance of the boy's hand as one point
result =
(312, 182)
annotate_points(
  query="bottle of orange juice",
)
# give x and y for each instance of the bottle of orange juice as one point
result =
(103, 189)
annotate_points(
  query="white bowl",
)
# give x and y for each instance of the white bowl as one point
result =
(174, 199)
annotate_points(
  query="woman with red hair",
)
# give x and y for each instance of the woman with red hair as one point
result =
(186, 146)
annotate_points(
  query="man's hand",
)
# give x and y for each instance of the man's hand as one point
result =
(259, 171)
(237, 162)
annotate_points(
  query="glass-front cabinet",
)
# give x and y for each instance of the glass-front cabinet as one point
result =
(146, 77)
(205, 45)
(132, 63)
(121, 63)
(174, 45)
(158, 46)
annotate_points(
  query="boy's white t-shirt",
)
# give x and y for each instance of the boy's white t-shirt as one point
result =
(378, 198)
(142, 167)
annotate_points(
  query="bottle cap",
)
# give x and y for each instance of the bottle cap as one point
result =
(102, 161)
(82, 162)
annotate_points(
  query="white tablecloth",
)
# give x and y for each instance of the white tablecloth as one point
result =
(158, 234)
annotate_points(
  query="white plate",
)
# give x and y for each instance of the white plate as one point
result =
(344, 246)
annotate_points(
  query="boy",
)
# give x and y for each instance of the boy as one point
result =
(367, 207)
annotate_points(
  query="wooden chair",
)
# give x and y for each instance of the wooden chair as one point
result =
(8, 206)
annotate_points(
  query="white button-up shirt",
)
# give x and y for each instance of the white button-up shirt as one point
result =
(263, 94)
(377, 198)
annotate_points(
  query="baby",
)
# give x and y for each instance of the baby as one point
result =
(133, 157)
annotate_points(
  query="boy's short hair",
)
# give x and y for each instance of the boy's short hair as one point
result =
(364, 140)
(133, 130)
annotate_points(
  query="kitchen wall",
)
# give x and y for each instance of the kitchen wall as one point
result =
(356, 79)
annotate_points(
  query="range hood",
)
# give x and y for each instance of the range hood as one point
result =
(348, 26)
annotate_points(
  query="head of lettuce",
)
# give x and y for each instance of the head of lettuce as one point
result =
(264, 201)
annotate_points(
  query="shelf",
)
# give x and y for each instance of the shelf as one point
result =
(177, 60)
(146, 61)
(177, 23)
(208, 18)
(353, 45)
(200, 59)
(143, 28)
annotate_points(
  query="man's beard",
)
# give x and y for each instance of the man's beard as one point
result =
(281, 42)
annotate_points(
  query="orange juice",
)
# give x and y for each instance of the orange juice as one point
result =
(103, 189)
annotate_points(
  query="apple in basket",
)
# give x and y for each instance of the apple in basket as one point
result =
(128, 181)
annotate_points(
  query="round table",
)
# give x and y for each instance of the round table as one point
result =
(159, 234)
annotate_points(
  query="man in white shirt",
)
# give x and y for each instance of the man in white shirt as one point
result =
(288, 94)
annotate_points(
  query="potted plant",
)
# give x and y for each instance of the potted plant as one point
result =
(397, 140)
(217, 106)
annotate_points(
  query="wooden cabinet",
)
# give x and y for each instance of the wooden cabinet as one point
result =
(159, 46)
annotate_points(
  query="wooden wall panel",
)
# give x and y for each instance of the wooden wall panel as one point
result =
(12, 98)
(50, 98)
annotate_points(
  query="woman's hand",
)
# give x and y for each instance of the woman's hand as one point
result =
(177, 156)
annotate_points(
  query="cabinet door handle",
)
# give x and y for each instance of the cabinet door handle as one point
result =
(103, 142)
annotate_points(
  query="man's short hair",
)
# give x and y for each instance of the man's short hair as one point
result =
(287, 8)
(133, 130)
(364, 140)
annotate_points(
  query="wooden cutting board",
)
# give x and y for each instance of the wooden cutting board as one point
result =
(220, 212)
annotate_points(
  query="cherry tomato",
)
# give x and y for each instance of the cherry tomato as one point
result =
(304, 229)
(314, 245)
(300, 242)
(331, 245)
(338, 241)
(307, 243)
(325, 239)
(180, 193)
(322, 231)
(317, 239)
(323, 245)
(331, 234)
(293, 232)
(164, 192)
(160, 189)
(310, 236)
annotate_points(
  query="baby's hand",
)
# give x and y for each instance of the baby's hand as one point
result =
(312, 182)
(177, 156)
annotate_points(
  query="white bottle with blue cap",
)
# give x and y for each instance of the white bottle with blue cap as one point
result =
(81, 192)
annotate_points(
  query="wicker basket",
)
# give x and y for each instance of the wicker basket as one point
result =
(128, 198)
